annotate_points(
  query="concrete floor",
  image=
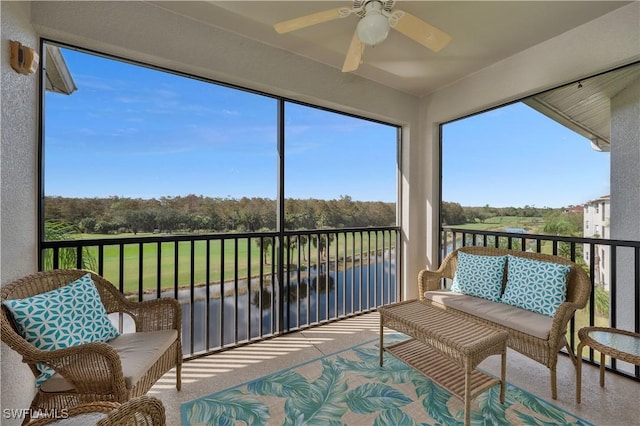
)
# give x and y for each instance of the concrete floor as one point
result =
(618, 403)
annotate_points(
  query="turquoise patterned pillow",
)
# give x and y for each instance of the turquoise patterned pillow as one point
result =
(67, 316)
(535, 285)
(479, 276)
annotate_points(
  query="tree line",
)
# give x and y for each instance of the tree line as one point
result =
(197, 213)
(558, 221)
(455, 214)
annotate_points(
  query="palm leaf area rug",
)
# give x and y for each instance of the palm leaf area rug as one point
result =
(350, 388)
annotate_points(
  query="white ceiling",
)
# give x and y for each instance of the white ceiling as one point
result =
(483, 32)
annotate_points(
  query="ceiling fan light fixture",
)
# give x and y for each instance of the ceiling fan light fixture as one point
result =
(377, 17)
(373, 29)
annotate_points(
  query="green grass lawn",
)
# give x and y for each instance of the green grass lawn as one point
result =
(177, 256)
(174, 259)
(498, 223)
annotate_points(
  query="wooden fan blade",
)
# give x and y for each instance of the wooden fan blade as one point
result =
(308, 20)
(421, 32)
(354, 55)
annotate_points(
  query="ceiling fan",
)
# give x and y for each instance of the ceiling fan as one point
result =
(376, 18)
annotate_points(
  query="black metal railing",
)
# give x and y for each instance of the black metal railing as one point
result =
(613, 265)
(236, 288)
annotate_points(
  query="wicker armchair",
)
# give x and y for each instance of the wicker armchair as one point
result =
(95, 371)
(544, 351)
(140, 411)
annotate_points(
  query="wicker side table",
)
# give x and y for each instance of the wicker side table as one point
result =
(622, 345)
(445, 348)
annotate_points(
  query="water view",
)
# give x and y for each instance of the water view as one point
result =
(316, 297)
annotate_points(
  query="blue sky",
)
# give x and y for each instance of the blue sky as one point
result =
(515, 156)
(133, 132)
(143, 133)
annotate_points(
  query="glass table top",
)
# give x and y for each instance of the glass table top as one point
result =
(620, 342)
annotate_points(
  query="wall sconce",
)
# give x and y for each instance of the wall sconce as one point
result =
(23, 59)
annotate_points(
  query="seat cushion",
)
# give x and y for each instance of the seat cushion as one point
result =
(137, 351)
(528, 322)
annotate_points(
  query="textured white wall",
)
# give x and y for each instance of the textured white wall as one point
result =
(599, 45)
(18, 189)
(625, 196)
(625, 158)
(19, 150)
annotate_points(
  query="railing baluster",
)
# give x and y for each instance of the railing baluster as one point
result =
(121, 268)
(140, 271)
(176, 269)
(207, 295)
(79, 264)
(192, 294)
(101, 260)
(308, 251)
(299, 280)
(385, 291)
(325, 267)
(158, 270)
(261, 287)
(248, 242)
(361, 273)
(276, 304)
(371, 289)
(352, 256)
(613, 286)
(221, 316)
(375, 268)
(592, 295)
(236, 290)
(336, 269)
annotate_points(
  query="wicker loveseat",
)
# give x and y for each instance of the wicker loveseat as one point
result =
(117, 370)
(540, 337)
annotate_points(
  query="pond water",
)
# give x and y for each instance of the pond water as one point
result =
(239, 316)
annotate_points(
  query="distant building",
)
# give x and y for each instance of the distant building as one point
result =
(574, 209)
(596, 225)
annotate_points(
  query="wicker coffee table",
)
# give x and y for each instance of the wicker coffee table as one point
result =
(445, 348)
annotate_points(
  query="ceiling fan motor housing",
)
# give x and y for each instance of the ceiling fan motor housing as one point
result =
(374, 26)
